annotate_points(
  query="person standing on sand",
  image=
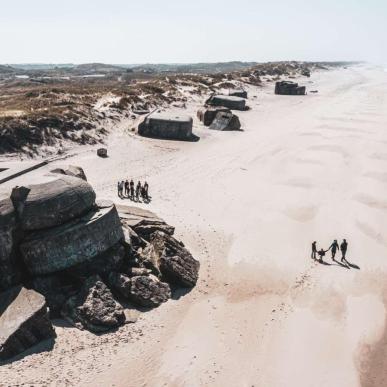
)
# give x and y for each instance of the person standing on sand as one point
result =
(122, 188)
(119, 189)
(131, 189)
(314, 250)
(127, 188)
(343, 248)
(138, 190)
(334, 247)
(146, 188)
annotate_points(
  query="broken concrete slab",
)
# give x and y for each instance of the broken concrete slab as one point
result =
(77, 241)
(207, 115)
(10, 273)
(167, 126)
(94, 307)
(24, 321)
(233, 103)
(71, 170)
(238, 93)
(52, 203)
(225, 121)
(167, 256)
(134, 215)
(143, 290)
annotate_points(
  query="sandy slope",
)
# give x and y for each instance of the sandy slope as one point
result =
(248, 204)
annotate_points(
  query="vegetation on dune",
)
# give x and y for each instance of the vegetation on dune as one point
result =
(61, 104)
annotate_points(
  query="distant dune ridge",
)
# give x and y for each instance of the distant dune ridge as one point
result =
(44, 108)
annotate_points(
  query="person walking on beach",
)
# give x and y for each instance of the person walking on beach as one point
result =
(138, 190)
(321, 254)
(343, 248)
(314, 250)
(127, 188)
(131, 189)
(334, 247)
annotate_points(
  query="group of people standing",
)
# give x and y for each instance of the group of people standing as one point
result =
(128, 190)
(334, 247)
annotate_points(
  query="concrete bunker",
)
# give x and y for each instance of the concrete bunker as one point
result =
(289, 88)
(167, 126)
(230, 102)
(54, 202)
(208, 114)
(72, 243)
(225, 121)
(238, 93)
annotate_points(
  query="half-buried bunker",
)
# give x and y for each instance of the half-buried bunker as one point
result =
(167, 126)
(233, 103)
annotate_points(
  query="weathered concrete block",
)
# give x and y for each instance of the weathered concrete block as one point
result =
(102, 152)
(80, 240)
(207, 115)
(225, 121)
(52, 203)
(238, 93)
(71, 170)
(161, 125)
(57, 289)
(233, 103)
(9, 270)
(24, 321)
(289, 88)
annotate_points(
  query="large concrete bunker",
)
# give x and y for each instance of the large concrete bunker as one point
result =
(72, 243)
(167, 126)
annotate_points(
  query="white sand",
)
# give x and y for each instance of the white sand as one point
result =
(248, 205)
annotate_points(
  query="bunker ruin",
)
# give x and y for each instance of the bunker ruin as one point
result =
(208, 114)
(230, 102)
(289, 88)
(167, 126)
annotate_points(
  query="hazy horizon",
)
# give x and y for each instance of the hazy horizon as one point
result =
(127, 32)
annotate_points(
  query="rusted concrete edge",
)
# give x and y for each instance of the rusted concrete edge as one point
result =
(36, 166)
(23, 171)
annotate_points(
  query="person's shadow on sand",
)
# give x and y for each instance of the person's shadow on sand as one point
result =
(352, 265)
(345, 264)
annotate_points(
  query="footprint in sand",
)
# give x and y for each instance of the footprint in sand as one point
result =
(299, 183)
(378, 156)
(307, 161)
(371, 201)
(301, 214)
(378, 176)
(329, 148)
(371, 232)
(311, 134)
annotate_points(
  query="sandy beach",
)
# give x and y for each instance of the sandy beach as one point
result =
(248, 204)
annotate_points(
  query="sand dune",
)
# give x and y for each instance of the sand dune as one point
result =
(248, 205)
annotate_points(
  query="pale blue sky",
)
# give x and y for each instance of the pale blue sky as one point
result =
(144, 31)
